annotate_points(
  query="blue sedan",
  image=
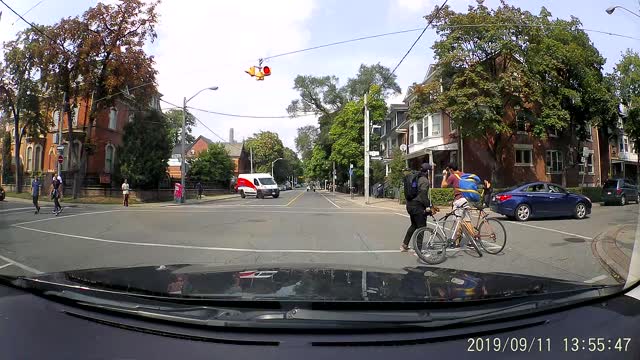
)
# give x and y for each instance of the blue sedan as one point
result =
(540, 200)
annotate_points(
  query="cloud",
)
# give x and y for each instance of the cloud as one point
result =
(213, 42)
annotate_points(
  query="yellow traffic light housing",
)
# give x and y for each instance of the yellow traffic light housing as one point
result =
(251, 71)
(260, 75)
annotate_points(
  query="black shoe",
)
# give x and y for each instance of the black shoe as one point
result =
(38, 212)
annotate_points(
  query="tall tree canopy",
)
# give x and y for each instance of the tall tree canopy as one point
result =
(306, 140)
(174, 116)
(267, 147)
(212, 166)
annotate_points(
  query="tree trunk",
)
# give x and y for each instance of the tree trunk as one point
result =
(16, 155)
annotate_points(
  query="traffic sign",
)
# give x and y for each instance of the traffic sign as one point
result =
(585, 151)
(376, 158)
(350, 172)
(60, 159)
(374, 153)
(403, 147)
(350, 166)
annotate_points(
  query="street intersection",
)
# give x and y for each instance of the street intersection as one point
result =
(298, 227)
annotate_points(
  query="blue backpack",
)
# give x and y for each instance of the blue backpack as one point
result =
(469, 186)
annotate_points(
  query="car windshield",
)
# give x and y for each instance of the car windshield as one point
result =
(312, 150)
(267, 181)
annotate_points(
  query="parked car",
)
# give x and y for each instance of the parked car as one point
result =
(282, 187)
(620, 191)
(538, 200)
(2, 194)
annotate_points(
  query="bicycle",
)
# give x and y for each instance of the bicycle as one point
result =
(487, 231)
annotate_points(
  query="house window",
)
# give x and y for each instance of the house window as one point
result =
(109, 151)
(56, 119)
(425, 123)
(624, 146)
(400, 116)
(420, 130)
(75, 113)
(521, 123)
(29, 158)
(589, 164)
(553, 132)
(524, 155)
(589, 133)
(411, 133)
(38, 158)
(554, 162)
(436, 124)
(113, 116)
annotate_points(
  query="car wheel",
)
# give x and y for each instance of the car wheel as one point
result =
(242, 194)
(523, 212)
(623, 200)
(638, 199)
(275, 196)
(580, 211)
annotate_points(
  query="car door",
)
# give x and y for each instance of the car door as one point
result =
(631, 190)
(536, 196)
(559, 203)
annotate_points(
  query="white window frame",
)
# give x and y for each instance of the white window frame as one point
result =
(433, 122)
(411, 134)
(559, 160)
(426, 126)
(554, 132)
(109, 169)
(75, 111)
(29, 157)
(590, 133)
(56, 119)
(420, 130)
(589, 167)
(523, 147)
(37, 153)
(113, 118)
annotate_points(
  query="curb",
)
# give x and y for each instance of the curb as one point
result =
(611, 257)
(231, 196)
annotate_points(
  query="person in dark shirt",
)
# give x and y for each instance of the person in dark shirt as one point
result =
(418, 207)
(35, 193)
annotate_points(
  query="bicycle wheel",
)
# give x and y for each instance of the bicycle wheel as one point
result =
(434, 247)
(492, 236)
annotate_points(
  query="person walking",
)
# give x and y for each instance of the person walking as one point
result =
(200, 189)
(416, 192)
(55, 193)
(125, 193)
(35, 192)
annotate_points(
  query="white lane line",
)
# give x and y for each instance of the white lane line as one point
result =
(190, 247)
(292, 211)
(17, 209)
(21, 266)
(332, 203)
(595, 279)
(68, 216)
(5, 265)
(400, 214)
(548, 229)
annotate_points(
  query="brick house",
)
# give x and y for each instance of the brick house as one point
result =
(236, 151)
(523, 158)
(39, 155)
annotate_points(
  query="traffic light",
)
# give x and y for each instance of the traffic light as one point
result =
(260, 75)
(266, 70)
(251, 71)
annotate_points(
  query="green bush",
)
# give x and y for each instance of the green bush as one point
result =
(593, 193)
(441, 196)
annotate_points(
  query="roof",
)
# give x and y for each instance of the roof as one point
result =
(234, 149)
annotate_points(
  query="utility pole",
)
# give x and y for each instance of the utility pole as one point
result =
(366, 151)
(333, 186)
(183, 162)
(60, 147)
(251, 152)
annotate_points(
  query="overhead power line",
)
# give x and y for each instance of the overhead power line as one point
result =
(239, 115)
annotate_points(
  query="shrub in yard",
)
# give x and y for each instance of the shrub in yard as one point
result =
(441, 196)
(593, 193)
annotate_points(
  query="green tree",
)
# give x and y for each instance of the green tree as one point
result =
(289, 166)
(6, 154)
(377, 171)
(547, 70)
(144, 153)
(306, 140)
(627, 84)
(212, 166)
(267, 147)
(174, 116)
(397, 167)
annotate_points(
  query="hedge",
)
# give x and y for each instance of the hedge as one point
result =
(593, 193)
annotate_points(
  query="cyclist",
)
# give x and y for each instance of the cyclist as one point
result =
(451, 178)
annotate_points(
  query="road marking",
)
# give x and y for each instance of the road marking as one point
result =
(301, 211)
(332, 203)
(548, 229)
(64, 217)
(595, 279)
(21, 266)
(5, 265)
(294, 199)
(190, 247)
(400, 214)
(17, 209)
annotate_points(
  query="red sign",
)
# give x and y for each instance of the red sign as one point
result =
(60, 159)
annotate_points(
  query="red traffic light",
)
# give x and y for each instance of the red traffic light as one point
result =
(266, 70)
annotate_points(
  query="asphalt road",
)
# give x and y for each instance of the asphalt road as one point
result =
(297, 227)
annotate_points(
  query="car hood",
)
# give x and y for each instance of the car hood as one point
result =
(311, 283)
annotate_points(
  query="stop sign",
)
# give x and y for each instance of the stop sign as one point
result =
(60, 159)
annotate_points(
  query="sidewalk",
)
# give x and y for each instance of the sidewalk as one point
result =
(204, 200)
(614, 248)
(117, 201)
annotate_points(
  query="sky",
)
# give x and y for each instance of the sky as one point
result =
(204, 43)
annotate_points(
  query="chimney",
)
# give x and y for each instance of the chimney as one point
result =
(231, 141)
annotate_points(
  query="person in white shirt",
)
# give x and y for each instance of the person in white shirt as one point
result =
(125, 193)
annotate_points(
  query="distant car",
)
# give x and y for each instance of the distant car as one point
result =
(620, 191)
(2, 194)
(540, 200)
(282, 187)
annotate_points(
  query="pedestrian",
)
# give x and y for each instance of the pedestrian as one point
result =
(416, 192)
(200, 189)
(125, 193)
(35, 192)
(55, 193)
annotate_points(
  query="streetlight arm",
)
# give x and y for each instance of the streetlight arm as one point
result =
(612, 9)
(196, 94)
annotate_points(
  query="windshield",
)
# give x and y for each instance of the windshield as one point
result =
(135, 151)
(267, 181)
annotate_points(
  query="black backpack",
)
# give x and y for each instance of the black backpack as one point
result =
(411, 185)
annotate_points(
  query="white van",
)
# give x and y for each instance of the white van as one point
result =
(258, 185)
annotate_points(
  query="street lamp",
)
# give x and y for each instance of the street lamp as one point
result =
(611, 9)
(183, 163)
(272, 163)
